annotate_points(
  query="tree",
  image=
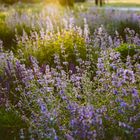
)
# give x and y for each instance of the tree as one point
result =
(69, 3)
(79, 0)
(99, 2)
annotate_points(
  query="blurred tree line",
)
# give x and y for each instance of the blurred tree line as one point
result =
(99, 2)
(15, 1)
(62, 2)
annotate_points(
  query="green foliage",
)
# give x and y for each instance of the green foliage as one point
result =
(45, 49)
(127, 49)
(10, 118)
(129, 23)
(79, 0)
(7, 36)
(31, 1)
(8, 1)
(10, 123)
(67, 2)
(120, 26)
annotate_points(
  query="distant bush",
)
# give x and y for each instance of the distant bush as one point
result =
(8, 1)
(127, 49)
(7, 35)
(66, 2)
(80, 0)
(30, 1)
(44, 49)
(129, 23)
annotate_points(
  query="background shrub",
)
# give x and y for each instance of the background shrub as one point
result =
(30, 1)
(8, 36)
(66, 2)
(128, 23)
(44, 49)
(8, 1)
(127, 49)
(80, 0)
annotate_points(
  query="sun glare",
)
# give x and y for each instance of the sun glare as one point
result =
(52, 9)
(54, 2)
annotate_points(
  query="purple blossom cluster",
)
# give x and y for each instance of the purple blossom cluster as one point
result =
(51, 18)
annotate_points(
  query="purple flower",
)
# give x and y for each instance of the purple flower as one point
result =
(134, 92)
(115, 92)
(72, 68)
(100, 63)
(56, 138)
(114, 67)
(120, 111)
(124, 91)
(123, 104)
(129, 76)
(43, 108)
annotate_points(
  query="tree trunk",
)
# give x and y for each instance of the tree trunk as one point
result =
(96, 2)
(101, 2)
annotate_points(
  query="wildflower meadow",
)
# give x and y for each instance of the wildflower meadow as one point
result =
(69, 73)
